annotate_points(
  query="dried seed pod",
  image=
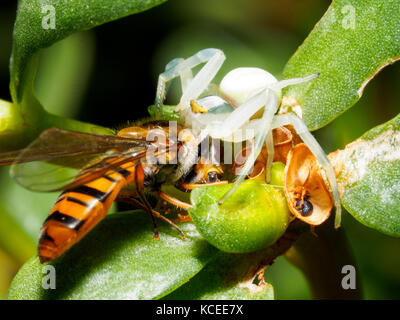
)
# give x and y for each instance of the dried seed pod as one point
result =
(258, 172)
(305, 189)
(283, 143)
(295, 137)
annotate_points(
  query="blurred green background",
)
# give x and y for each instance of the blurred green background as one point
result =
(101, 77)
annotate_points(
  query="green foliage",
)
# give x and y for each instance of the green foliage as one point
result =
(71, 16)
(370, 178)
(25, 117)
(216, 281)
(129, 263)
(352, 42)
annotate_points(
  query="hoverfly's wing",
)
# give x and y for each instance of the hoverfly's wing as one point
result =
(56, 158)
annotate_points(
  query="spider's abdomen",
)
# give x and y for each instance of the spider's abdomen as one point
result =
(240, 84)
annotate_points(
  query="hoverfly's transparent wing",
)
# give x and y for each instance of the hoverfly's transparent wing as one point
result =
(56, 158)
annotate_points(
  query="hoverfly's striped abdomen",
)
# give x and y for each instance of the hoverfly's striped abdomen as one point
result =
(79, 209)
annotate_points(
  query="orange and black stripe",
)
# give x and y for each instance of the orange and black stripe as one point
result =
(80, 208)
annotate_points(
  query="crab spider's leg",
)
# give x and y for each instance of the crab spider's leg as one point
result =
(237, 118)
(289, 82)
(313, 145)
(200, 82)
(186, 75)
(269, 142)
(163, 79)
(175, 68)
(265, 127)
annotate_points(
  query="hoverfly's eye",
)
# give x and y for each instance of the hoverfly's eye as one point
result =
(212, 176)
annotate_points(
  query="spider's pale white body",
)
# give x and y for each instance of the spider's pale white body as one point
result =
(242, 93)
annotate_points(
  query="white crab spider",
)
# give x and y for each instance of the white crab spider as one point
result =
(241, 94)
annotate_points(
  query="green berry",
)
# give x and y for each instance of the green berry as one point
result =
(254, 217)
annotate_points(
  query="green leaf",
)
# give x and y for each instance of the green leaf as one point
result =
(33, 29)
(231, 276)
(21, 123)
(226, 277)
(368, 175)
(23, 119)
(352, 42)
(120, 259)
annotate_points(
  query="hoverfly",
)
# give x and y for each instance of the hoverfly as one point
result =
(95, 170)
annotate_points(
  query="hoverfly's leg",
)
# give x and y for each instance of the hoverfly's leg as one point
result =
(161, 204)
(214, 59)
(174, 201)
(140, 205)
(313, 145)
(139, 183)
(183, 218)
(178, 203)
(150, 210)
(289, 82)
(265, 126)
(191, 186)
(269, 143)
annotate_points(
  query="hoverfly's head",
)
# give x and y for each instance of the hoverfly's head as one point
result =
(187, 151)
(204, 172)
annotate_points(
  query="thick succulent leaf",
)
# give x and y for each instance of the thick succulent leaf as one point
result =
(369, 177)
(120, 259)
(352, 42)
(34, 30)
(227, 277)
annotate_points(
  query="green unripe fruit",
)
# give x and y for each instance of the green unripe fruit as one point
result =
(254, 217)
(278, 174)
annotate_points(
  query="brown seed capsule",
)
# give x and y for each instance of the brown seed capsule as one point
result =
(283, 143)
(305, 189)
